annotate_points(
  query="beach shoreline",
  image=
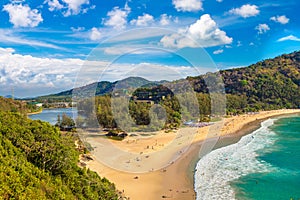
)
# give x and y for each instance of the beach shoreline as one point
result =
(35, 113)
(176, 181)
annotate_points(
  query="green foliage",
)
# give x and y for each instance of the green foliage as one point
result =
(65, 123)
(267, 85)
(38, 162)
(32, 108)
(12, 105)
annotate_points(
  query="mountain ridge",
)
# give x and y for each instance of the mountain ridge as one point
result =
(266, 81)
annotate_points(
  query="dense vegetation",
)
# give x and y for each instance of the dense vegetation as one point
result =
(65, 123)
(39, 162)
(12, 106)
(269, 84)
(23, 107)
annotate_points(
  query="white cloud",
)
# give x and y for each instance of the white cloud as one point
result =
(165, 19)
(203, 33)
(289, 38)
(280, 19)
(54, 5)
(117, 17)
(74, 6)
(246, 11)
(219, 1)
(22, 15)
(187, 5)
(70, 7)
(95, 34)
(144, 20)
(262, 28)
(218, 51)
(32, 76)
(6, 50)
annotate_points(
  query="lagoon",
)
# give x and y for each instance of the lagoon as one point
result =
(50, 115)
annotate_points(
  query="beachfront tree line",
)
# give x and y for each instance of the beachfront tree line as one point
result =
(176, 112)
(138, 111)
(38, 162)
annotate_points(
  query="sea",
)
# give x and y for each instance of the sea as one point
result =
(50, 115)
(263, 165)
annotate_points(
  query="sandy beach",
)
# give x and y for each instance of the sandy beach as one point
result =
(161, 165)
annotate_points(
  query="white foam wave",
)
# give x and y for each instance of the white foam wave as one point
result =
(217, 169)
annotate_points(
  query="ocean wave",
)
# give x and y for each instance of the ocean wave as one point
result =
(217, 169)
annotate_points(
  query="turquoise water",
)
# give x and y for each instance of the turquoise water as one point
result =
(50, 115)
(264, 165)
(283, 181)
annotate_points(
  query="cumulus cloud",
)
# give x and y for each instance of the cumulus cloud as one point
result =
(95, 34)
(32, 76)
(6, 50)
(280, 19)
(165, 19)
(203, 33)
(188, 5)
(143, 20)
(22, 15)
(70, 7)
(262, 28)
(246, 11)
(54, 5)
(117, 17)
(216, 52)
(74, 6)
(289, 38)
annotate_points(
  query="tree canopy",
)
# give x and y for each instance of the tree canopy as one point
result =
(38, 162)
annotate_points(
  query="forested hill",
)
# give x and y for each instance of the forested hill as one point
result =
(11, 105)
(98, 89)
(38, 162)
(269, 84)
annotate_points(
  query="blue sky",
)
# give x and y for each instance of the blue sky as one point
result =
(46, 45)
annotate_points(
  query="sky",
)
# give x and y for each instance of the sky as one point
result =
(53, 45)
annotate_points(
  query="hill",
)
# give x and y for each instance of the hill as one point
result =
(98, 89)
(7, 104)
(269, 84)
(39, 162)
